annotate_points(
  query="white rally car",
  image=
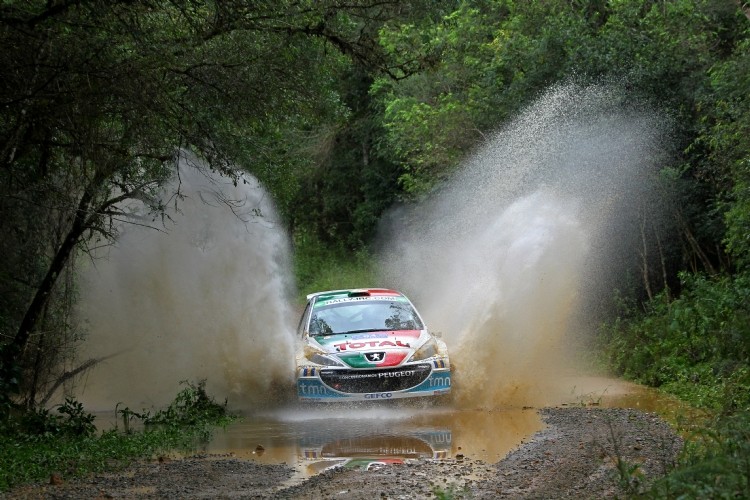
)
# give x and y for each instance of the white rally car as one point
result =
(367, 344)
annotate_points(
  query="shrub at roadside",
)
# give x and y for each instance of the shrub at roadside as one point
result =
(191, 407)
(716, 465)
(39, 443)
(696, 347)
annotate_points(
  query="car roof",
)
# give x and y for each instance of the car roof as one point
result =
(356, 292)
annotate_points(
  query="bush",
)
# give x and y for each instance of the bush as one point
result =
(191, 407)
(696, 347)
(38, 443)
(715, 466)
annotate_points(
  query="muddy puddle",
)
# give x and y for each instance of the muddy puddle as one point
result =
(312, 438)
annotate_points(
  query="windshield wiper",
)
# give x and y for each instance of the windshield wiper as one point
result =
(365, 330)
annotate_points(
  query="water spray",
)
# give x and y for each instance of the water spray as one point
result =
(205, 296)
(508, 254)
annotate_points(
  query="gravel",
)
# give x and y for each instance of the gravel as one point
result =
(582, 453)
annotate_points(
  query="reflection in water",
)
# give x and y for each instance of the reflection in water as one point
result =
(315, 439)
(427, 444)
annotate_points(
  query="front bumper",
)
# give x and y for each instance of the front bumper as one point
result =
(428, 378)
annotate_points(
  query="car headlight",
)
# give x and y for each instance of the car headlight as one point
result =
(428, 350)
(319, 357)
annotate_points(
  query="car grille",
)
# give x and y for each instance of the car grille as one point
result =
(361, 381)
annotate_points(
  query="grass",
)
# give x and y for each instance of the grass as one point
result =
(32, 460)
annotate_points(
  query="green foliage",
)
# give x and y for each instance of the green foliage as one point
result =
(697, 346)
(491, 58)
(715, 466)
(725, 132)
(433, 118)
(191, 407)
(319, 267)
(25, 461)
(38, 443)
(347, 183)
(99, 98)
(450, 492)
(10, 376)
(70, 420)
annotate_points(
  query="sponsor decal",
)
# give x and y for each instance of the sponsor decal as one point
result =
(366, 336)
(440, 381)
(381, 395)
(343, 346)
(328, 302)
(381, 336)
(360, 376)
(440, 438)
(404, 373)
(325, 301)
(359, 359)
(314, 390)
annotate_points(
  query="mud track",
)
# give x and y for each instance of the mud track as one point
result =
(582, 453)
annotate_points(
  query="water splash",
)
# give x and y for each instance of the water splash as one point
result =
(504, 260)
(208, 298)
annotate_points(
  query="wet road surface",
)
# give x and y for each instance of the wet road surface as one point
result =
(312, 438)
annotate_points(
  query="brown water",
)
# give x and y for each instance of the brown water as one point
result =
(313, 438)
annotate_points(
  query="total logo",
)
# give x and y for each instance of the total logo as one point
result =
(374, 343)
(380, 395)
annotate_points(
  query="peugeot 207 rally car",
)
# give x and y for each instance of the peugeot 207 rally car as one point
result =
(367, 344)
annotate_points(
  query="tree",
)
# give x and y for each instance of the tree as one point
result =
(491, 57)
(99, 97)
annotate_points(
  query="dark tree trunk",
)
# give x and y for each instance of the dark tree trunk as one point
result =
(81, 223)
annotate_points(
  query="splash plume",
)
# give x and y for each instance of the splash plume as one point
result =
(532, 227)
(207, 297)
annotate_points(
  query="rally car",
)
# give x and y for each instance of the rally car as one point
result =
(367, 344)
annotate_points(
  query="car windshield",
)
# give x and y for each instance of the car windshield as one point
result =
(363, 316)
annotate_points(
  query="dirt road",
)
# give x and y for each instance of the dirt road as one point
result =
(582, 453)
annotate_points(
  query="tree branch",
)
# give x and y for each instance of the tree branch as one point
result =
(744, 7)
(90, 363)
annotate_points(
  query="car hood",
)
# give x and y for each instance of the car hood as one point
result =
(354, 348)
